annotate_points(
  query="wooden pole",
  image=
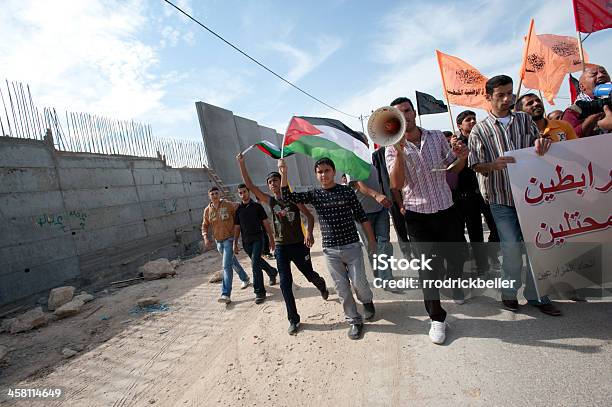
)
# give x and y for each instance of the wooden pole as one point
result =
(524, 64)
(581, 50)
(445, 92)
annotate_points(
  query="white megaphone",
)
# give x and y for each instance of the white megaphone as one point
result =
(386, 126)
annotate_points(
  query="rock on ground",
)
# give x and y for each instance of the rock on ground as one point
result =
(216, 277)
(29, 320)
(68, 353)
(83, 296)
(69, 309)
(145, 302)
(156, 269)
(60, 296)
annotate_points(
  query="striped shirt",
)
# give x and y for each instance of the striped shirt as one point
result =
(425, 191)
(490, 139)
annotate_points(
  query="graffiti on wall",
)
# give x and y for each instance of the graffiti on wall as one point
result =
(57, 220)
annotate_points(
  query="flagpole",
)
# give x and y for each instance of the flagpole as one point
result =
(419, 116)
(285, 135)
(523, 65)
(581, 50)
(445, 92)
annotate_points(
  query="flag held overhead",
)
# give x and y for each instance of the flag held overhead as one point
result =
(427, 104)
(319, 137)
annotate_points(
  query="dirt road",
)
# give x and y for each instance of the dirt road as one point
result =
(202, 353)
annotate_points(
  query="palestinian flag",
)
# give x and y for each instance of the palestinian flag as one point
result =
(273, 150)
(319, 137)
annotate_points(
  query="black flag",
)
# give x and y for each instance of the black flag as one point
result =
(427, 104)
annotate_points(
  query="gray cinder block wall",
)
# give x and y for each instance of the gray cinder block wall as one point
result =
(88, 219)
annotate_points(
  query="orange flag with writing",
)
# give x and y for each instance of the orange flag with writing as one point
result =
(546, 60)
(464, 85)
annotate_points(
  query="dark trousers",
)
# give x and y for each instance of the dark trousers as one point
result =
(253, 249)
(485, 208)
(469, 207)
(398, 223)
(428, 233)
(299, 254)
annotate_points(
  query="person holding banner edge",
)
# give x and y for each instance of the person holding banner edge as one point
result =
(502, 131)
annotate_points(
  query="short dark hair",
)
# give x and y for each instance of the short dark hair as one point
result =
(243, 186)
(325, 161)
(519, 103)
(213, 189)
(400, 100)
(273, 174)
(447, 133)
(461, 116)
(496, 82)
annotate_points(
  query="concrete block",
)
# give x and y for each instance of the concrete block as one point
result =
(249, 134)
(88, 160)
(197, 188)
(197, 201)
(32, 228)
(220, 140)
(165, 207)
(39, 279)
(23, 204)
(28, 180)
(194, 175)
(144, 163)
(93, 178)
(109, 237)
(85, 220)
(18, 153)
(23, 257)
(157, 176)
(79, 199)
(167, 224)
(159, 192)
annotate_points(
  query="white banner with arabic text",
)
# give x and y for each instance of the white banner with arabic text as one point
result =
(564, 205)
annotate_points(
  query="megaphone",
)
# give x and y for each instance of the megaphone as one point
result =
(386, 126)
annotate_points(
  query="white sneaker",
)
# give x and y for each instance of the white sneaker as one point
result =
(437, 332)
(224, 299)
(245, 284)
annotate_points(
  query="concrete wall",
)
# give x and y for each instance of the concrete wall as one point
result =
(225, 135)
(89, 219)
(220, 140)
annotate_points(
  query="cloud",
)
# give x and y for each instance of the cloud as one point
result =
(302, 62)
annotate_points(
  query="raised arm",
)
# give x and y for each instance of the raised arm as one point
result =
(261, 196)
(287, 195)
(309, 238)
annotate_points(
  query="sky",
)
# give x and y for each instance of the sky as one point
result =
(143, 60)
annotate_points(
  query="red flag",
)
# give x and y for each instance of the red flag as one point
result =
(592, 15)
(574, 88)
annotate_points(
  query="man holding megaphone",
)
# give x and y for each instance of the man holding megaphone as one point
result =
(417, 164)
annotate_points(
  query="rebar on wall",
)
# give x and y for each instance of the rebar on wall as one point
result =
(91, 133)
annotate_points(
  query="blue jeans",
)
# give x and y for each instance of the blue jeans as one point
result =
(512, 246)
(253, 249)
(381, 226)
(226, 248)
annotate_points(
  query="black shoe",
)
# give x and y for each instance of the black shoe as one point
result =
(548, 309)
(273, 279)
(293, 328)
(325, 294)
(355, 331)
(510, 305)
(369, 311)
(259, 300)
